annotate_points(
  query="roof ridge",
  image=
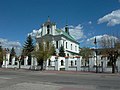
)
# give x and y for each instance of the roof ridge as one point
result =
(66, 34)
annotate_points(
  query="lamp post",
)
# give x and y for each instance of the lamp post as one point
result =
(95, 42)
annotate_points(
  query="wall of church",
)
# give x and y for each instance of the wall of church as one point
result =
(71, 46)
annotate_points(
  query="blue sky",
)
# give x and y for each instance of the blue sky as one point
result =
(88, 17)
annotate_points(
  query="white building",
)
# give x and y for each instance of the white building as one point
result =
(59, 38)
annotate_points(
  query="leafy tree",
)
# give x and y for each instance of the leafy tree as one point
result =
(53, 50)
(110, 49)
(61, 51)
(43, 52)
(1, 56)
(86, 53)
(28, 48)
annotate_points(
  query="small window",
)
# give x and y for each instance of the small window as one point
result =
(48, 26)
(56, 44)
(62, 62)
(68, 55)
(71, 46)
(48, 29)
(71, 63)
(66, 45)
(75, 62)
(101, 58)
(75, 48)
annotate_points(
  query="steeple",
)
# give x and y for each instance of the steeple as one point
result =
(48, 18)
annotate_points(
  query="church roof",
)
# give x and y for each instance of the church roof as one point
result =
(66, 34)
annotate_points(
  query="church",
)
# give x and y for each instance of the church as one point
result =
(58, 37)
(50, 33)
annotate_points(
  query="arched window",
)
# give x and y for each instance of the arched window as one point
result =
(71, 63)
(48, 29)
(62, 62)
(66, 45)
(68, 55)
(71, 46)
(75, 48)
(75, 62)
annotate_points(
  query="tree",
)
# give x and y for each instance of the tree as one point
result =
(28, 48)
(86, 53)
(12, 54)
(61, 51)
(53, 50)
(1, 56)
(43, 52)
(110, 49)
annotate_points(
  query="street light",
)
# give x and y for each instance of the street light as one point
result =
(95, 42)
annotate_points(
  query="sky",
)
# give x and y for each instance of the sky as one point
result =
(86, 19)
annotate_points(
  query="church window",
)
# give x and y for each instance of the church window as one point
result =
(71, 46)
(68, 55)
(56, 44)
(48, 29)
(75, 48)
(66, 45)
(71, 63)
(62, 62)
(75, 62)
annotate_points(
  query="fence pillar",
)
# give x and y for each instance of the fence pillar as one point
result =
(66, 63)
(79, 63)
(56, 63)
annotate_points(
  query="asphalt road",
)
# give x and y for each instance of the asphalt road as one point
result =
(53, 80)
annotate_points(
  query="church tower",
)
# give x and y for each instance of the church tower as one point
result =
(48, 28)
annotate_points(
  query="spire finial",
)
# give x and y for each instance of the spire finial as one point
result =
(48, 18)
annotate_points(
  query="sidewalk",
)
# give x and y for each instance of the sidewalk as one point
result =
(61, 72)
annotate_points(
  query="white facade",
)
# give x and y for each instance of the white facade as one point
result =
(64, 63)
(59, 38)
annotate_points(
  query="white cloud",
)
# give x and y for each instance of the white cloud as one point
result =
(119, 1)
(90, 22)
(90, 41)
(112, 19)
(9, 44)
(77, 31)
(35, 32)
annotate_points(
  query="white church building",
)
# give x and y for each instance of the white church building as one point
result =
(59, 38)
(50, 33)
